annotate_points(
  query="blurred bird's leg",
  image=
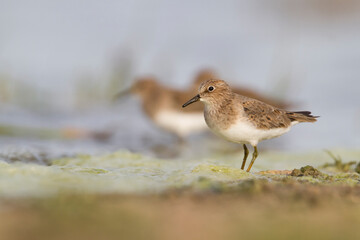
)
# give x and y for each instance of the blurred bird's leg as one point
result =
(246, 153)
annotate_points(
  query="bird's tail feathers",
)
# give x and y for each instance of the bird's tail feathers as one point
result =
(302, 116)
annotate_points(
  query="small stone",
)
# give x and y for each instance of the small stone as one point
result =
(296, 173)
(305, 171)
(310, 171)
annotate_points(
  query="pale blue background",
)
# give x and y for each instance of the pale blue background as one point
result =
(310, 49)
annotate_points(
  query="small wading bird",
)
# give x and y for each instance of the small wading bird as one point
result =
(242, 119)
(160, 104)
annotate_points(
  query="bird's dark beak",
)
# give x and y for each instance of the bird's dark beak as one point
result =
(194, 99)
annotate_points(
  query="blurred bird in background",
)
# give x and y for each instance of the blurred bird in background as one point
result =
(162, 104)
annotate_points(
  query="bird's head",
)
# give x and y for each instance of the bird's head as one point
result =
(211, 92)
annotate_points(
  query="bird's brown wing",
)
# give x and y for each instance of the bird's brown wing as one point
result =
(263, 115)
(251, 94)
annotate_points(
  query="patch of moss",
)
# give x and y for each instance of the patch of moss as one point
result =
(345, 179)
(82, 159)
(230, 172)
(93, 171)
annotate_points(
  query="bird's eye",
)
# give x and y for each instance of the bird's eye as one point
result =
(211, 88)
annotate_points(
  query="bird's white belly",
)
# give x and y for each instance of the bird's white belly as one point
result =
(180, 123)
(246, 133)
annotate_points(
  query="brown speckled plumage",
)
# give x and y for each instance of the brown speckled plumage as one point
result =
(264, 116)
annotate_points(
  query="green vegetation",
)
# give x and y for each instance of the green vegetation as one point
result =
(338, 164)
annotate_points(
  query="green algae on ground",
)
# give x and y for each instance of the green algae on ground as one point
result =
(113, 159)
(93, 171)
(223, 171)
(125, 172)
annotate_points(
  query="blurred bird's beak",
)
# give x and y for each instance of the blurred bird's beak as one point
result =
(194, 99)
(122, 94)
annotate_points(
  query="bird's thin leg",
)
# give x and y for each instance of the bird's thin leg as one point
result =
(246, 153)
(254, 156)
